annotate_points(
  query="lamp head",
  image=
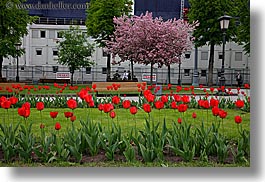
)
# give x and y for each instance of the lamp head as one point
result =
(224, 22)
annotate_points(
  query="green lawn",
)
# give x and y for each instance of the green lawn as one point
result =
(125, 119)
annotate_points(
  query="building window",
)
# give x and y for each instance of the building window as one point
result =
(104, 53)
(35, 34)
(42, 33)
(220, 55)
(88, 70)
(186, 72)
(59, 35)
(187, 55)
(238, 56)
(55, 69)
(55, 52)
(38, 52)
(203, 73)
(219, 73)
(204, 55)
(104, 70)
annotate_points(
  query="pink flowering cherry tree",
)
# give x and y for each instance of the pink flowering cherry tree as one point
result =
(147, 40)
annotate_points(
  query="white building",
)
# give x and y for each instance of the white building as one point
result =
(39, 61)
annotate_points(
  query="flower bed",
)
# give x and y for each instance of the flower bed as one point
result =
(170, 128)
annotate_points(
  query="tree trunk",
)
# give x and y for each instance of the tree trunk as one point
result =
(132, 70)
(151, 76)
(168, 73)
(1, 64)
(210, 67)
(108, 67)
(72, 76)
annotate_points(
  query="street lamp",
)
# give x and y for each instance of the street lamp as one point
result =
(17, 48)
(224, 23)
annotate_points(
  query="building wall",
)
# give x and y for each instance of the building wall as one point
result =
(38, 42)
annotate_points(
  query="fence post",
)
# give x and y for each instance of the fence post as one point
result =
(32, 74)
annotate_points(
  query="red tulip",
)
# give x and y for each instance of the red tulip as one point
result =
(83, 93)
(94, 86)
(2, 99)
(88, 98)
(206, 104)
(185, 99)
(222, 114)
(164, 99)
(26, 105)
(147, 108)
(239, 103)
(212, 89)
(133, 110)
(116, 100)
(177, 98)
(182, 108)
(13, 100)
(53, 114)
(91, 104)
(24, 112)
(179, 120)
(107, 107)
(194, 115)
(68, 114)
(6, 104)
(100, 107)
(126, 104)
(112, 114)
(200, 102)
(247, 86)
(179, 88)
(57, 126)
(42, 126)
(40, 106)
(71, 103)
(215, 111)
(214, 102)
(238, 119)
(174, 105)
(73, 118)
(159, 104)
(150, 98)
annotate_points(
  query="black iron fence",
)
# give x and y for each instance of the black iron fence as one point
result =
(32, 74)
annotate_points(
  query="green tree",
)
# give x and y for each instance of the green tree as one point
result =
(13, 26)
(99, 20)
(208, 32)
(243, 30)
(75, 50)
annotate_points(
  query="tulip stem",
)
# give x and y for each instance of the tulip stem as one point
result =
(134, 125)
(223, 126)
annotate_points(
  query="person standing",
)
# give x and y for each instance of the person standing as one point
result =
(125, 75)
(116, 76)
(129, 75)
(239, 79)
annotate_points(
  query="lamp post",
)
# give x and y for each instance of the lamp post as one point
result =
(195, 81)
(224, 23)
(17, 49)
(179, 80)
